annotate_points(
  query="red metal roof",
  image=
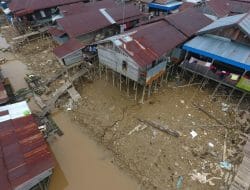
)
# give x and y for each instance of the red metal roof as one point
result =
(28, 6)
(150, 42)
(220, 7)
(68, 48)
(24, 153)
(79, 24)
(56, 32)
(80, 7)
(189, 21)
(237, 7)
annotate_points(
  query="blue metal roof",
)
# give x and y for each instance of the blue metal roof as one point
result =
(165, 7)
(220, 49)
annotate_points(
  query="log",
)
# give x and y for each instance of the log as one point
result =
(160, 127)
(209, 114)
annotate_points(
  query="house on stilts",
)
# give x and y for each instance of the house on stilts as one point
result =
(141, 55)
(221, 53)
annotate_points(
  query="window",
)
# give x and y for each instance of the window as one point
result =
(43, 14)
(124, 65)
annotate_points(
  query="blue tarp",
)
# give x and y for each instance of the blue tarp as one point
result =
(221, 50)
(166, 7)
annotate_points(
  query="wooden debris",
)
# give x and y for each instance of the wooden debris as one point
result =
(209, 114)
(160, 127)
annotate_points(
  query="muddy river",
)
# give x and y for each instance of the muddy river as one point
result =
(81, 164)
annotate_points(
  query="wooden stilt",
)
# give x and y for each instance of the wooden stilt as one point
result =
(113, 76)
(128, 87)
(161, 82)
(149, 90)
(241, 99)
(120, 79)
(143, 94)
(100, 71)
(215, 90)
(106, 72)
(229, 96)
(192, 79)
(135, 90)
(134, 85)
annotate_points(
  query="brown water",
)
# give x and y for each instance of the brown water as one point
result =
(15, 71)
(81, 164)
(85, 165)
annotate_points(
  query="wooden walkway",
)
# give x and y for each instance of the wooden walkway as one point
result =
(242, 178)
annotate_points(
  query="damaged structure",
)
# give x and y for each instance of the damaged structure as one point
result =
(221, 53)
(25, 158)
(142, 54)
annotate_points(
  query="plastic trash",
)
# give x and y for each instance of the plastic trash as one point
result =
(179, 182)
(193, 133)
(226, 165)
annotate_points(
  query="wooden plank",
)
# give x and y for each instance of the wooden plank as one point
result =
(74, 94)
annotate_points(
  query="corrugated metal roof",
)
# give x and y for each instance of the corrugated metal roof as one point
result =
(241, 20)
(67, 48)
(220, 7)
(189, 21)
(147, 43)
(239, 7)
(83, 23)
(80, 7)
(55, 31)
(220, 49)
(28, 6)
(24, 154)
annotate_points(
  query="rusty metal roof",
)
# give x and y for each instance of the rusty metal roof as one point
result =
(55, 31)
(67, 48)
(24, 154)
(79, 24)
(147, 43)
(220, 8)
(189, 21)
(28, 6)
(84, 23)
(80, 7)
(238, 7)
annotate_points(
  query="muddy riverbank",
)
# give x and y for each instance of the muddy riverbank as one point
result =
(80, 163)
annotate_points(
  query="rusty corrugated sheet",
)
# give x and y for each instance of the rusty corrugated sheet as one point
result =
(68, 48)
(79, 24)
(238, 7)
(189, 21)
(80, 7)
(28, 6)
(24, 153)
(150, 42)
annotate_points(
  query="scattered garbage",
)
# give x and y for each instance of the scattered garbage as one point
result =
(179, 182)
(202, 178)
(137, 128)
(226, 165)
(225, 107)
(182, 101)
(211, 145)
(194, 134)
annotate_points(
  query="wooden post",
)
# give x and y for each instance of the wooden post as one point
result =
(229, 96)
(241, 99)
(128, 87)
(106, 71)
(113, 76)
(120, 79)
(100, 70)
(215, 90)
(143, 94)
(149, 90)
(161, 80)
(135, 84)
